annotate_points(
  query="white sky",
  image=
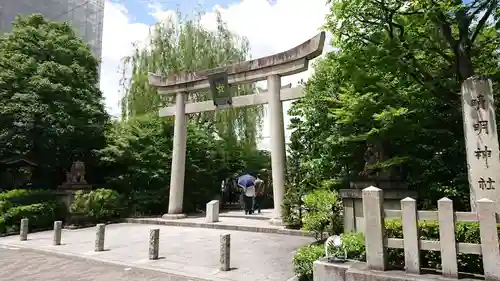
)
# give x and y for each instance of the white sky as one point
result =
(269, 28)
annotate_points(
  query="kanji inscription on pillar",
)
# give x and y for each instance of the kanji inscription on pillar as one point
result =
(481, 140)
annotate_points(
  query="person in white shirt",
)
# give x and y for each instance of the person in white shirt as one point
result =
(248, 197)
(247, 183)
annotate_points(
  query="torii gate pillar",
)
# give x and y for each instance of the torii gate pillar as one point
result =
(178, 168)
(271, 68)
(278, 150)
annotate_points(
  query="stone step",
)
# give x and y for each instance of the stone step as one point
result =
(243, 216)
(221, 225)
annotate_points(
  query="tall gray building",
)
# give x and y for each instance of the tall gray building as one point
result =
(86, 16)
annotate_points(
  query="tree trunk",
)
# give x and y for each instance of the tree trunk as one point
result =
(463, 63)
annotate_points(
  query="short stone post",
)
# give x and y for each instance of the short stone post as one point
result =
(213, 211)
(154, 243)
(23, 230)
(99, 237)
(57, 233)
(373, 213)
(225, 252)
(486, 212)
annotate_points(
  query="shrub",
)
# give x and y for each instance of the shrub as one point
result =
(354, 244)
(3, 228)
(4, 206)
(40, 215)
(148, 202)
(304, 259)
(292, 204)
(322, 212)
(41, 207)
(98, 205)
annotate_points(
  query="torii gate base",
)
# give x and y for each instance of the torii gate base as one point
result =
(271, 68)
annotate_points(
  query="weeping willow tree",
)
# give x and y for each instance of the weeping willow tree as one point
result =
(185, 45)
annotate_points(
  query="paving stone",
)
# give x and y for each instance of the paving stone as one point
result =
(27, 265)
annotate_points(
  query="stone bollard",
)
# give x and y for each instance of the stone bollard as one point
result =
(212, 211)
(225, 252)
(99, 237)
(23, 230)
(154, 243)
(57, 233)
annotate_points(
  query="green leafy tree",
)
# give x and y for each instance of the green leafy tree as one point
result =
(395, 80)
(185, 45)
(51, 110)
(452, 32)
(139, 154)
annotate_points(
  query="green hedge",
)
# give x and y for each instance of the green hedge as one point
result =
(20, 197)
(40, 215)
(41, 207)
(429, 230)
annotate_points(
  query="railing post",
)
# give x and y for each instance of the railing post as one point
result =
(489, 238)
(373, 212)
(410, 235)
(447, 238)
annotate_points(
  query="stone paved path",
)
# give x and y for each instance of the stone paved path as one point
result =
(183, 250)
(230, 220)
(26, 265)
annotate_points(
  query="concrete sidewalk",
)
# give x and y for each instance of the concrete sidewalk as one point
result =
(184, 251)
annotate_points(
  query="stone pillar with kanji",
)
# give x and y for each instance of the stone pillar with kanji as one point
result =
(481, 140)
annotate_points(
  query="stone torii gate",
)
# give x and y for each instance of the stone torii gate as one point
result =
(272, 68)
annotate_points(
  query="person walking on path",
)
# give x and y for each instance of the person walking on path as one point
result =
(259, 194)
(247, 183)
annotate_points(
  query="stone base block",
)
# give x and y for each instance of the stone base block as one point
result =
(67, 196)
(212, 211)
(276, 222)
(174, 216)
(353, 205)
(357, 271)
(323, 271)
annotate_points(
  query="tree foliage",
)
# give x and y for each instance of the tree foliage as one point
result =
(51, 110)
(395, 80)
(139, 154)
(185, 45)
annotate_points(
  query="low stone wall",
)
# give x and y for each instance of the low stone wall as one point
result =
(358, 271)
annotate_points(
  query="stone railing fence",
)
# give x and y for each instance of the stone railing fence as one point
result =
(377, 243)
